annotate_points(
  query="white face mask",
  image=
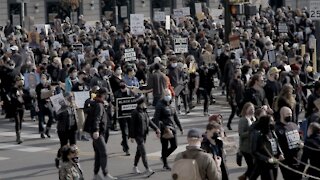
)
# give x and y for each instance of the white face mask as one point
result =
(74, 75)
(118, 72)
(167, 98)
(174, 65)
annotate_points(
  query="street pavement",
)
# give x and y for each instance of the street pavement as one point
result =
(34, 158)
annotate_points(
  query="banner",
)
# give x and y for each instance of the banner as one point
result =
(136, 24)
(181, 45)
(130, 54)
(124, 107)
(80, 98)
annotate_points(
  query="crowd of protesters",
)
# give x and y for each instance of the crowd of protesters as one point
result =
(267, 80)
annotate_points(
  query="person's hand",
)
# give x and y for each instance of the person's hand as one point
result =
(281, 157)
(218, 160)
(301, 145)
(95, 135)
(37, 109)
(132, 140)
(158, 133)
(181, 131)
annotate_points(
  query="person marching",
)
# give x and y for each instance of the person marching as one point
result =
(139, 128)
(70, 168)
(166, 117)
(66, 124)
(17, 106)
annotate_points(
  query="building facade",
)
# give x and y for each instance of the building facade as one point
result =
(44, 11)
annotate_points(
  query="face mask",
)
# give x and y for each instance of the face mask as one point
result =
(75, 159)
(43, 81)
(174, 65)
(84, 79)
(118, 72)
(215, 136)
(307, 59)
(167, 98)
(288, 119)
(74, 75)
(93, 95)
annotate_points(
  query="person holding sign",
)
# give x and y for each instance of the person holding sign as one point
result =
(80, 86)
(66, 124)
(123, 122)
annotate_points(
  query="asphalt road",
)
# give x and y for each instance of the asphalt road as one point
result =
(34, 158)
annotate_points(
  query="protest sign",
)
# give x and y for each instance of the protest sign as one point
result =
(80, 98)
(57, 101)
(159, 16)
(124, 107)
(168, 23)
(198, 8)
(181, 45)
(129, 54)
(31, 80)
(78, 48)
(282, 28)
(34, 40)
(106, 54)
(136, 24)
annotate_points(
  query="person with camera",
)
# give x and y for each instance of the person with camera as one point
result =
(139, 129)
(98, 124)
(166, 117)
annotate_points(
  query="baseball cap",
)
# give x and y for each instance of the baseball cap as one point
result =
(194, 134)
(274, 70)
(14, 48)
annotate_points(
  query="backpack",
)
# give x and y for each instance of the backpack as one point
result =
(185, 169)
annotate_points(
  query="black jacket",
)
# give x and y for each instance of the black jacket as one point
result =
(310, 154)
(166, 116)
(139, 123)
(66, 120)
(97, 118)
(216, 150)
(285, 132)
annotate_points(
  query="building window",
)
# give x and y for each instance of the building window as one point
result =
(15, 13)
(124, 8)
(162, 5)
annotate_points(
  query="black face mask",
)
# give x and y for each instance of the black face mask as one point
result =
(84, 79)
(215, 136)
(75, 159)
(288, 119)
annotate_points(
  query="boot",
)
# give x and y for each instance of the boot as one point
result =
(18, 140)
(48, 133)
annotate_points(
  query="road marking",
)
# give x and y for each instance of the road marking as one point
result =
(22, 148)
(4, 158)
(25, 135)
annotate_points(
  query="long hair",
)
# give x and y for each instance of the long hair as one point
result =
(245, 108)
(286, 95)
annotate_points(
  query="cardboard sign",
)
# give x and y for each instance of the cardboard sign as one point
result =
(181, 45)
(136, 24)
(130, 54)
(159, 16)
(125, 106)
(282, 28)
(80, 98)
(57, 101)
(234, 41)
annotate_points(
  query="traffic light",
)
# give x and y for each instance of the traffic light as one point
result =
(236, 9)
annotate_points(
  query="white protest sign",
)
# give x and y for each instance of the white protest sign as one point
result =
(168, 22)
(198, 8)
(186, 11)
(314, 9)
(215, 13)
(136, 24)
(181, 45)
(105, 54)
(80, 98)
(159, 16)
(178, 13)
(57, 101)
(129, 54)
